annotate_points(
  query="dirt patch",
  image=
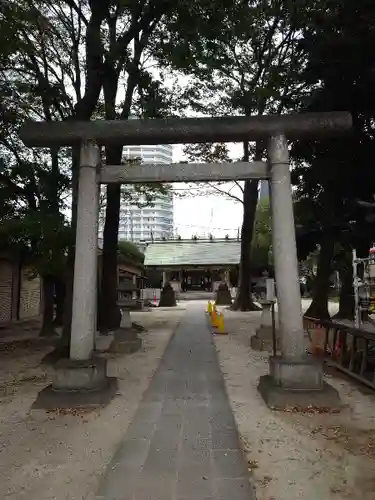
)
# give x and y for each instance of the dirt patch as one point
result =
(352, 439)
(295, 455)
(20, 329)
(61, 455)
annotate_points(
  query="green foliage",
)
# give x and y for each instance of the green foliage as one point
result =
(142, 195)
(34, 84)
(208, 153)
(130, 251)
(31, 217)
(332, 175)
(246, 59)
(212, 153)
(52, 69)
(45, 238)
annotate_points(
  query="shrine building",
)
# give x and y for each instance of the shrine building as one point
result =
(193, 264)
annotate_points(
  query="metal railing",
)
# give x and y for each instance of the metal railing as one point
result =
(351, 350)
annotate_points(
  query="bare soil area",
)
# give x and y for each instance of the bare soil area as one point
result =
(61, 455)
(291, 455)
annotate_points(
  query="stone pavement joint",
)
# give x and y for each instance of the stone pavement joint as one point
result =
(183, 443)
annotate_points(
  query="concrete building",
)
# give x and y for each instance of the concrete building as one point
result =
(264, 190)
(153, 222)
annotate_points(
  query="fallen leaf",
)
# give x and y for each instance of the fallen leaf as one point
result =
(252, 464)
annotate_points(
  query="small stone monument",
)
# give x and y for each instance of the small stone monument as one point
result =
(126, 338)
(223, 296)
(167, 296)
(263, 338)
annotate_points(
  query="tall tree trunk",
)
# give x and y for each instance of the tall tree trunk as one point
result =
(48, 284)
(110, 315)
(243, 301)
(319, 305)
(346, 304)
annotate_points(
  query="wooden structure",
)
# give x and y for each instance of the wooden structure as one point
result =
(21, 294)
(194, 264)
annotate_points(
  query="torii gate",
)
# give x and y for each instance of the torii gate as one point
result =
(293, 375)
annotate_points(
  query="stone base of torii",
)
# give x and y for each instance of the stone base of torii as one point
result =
(295, 378)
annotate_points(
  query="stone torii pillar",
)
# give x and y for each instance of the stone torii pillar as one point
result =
(285, 251)
(82, 380)
(295, 378)
(85, 264)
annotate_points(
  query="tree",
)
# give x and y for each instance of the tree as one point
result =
(317, 226)
(34, 225)
(337, 172)
(33, 185)
(46, 76)
(130, 250)
(249, 65)
(328, 218)
(49, 72)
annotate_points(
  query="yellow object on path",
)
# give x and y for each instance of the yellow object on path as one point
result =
(214, 316)
(220, 323)
(217, 321)
(209, 307)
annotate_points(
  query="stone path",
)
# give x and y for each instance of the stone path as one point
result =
(183, 443)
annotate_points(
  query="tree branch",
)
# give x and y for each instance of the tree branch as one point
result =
(239, 185)
(226, 193)
(94, 61)
(78, 10)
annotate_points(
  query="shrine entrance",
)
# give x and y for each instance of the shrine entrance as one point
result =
(291, 373)
(195, 280)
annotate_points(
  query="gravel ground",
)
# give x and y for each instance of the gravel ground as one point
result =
(291, 455)
(61, 456)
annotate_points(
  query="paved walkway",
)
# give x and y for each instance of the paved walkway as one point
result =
(183, 443)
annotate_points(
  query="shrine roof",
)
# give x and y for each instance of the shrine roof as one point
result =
(193, 253)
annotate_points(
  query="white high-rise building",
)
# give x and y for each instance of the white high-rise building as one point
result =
(264, 190)
(151, 222)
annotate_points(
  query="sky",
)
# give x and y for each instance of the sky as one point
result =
(204, 213)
